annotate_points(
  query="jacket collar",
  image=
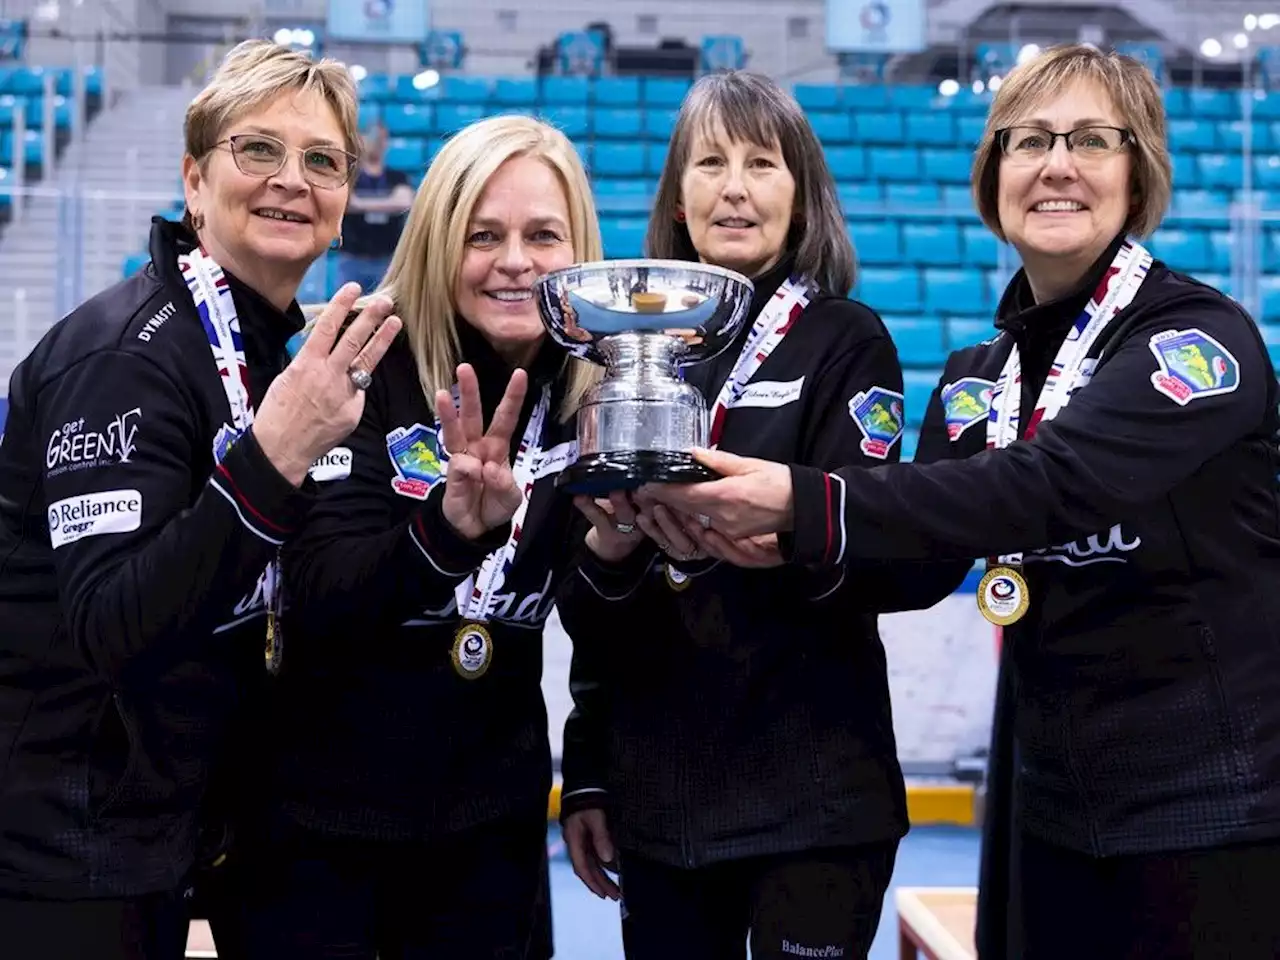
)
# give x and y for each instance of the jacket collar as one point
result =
(1018, 311)
(265, 328)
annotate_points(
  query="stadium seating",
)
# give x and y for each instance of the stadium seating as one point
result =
(901, 157)
(22, 97)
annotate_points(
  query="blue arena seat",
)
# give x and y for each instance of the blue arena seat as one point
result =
(890, 290)
(919, 340)
(931, 243)
(623, 237)
(917, 388)
(618, 91)
(958, 292)
(876, 241)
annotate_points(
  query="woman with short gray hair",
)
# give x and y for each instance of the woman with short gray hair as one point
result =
(156, 461)
(731, 745)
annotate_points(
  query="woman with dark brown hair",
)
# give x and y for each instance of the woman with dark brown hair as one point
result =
(732, 732)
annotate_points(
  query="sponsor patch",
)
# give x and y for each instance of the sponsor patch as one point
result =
(965, 403)
(419, 460)
(73, 447)
(94, 514)
(879, 415)
(1192, 365)
(334, 465)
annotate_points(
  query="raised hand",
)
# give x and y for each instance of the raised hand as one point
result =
(614, 533)
(480, 492)
(314, 404)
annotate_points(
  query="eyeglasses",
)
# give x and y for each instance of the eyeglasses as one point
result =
(1033, 144)
(259, 155)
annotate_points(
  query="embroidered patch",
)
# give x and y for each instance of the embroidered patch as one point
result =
(878, 414)
(965, 403)
(1192, 365)
(416, 453)
(223, 441)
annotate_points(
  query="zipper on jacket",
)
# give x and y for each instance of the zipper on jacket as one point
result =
(682, 791)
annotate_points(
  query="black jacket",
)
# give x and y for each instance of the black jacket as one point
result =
(720, 712)
(1145, 670)
(376, 735)
(131, 616)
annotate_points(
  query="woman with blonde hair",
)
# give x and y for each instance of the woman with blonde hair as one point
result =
(1113, 453)
(409, 734)
(155, 463)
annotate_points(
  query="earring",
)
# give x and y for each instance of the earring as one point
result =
(679, 216)
(336, 243)
(197, 222)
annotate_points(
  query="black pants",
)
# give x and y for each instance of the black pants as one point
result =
(1217, 904)
(483, 894)
(792, 905)
(152, 927)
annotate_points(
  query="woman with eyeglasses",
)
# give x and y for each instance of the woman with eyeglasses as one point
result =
(155, 462)
(1114, 456)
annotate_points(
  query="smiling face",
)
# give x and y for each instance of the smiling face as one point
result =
(1061, 210)
(737, 199)
(518, 231)
(267, 230)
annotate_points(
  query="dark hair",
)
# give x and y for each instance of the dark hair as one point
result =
(751, 108)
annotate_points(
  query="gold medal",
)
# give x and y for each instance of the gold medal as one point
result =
(472, 651)
(1003, 597)
(676, 580)
(273, 642)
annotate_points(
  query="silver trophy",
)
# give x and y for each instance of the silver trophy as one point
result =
(642, 320)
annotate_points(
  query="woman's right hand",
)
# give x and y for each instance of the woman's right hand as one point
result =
(480, 492)
(586, 837)
(614, 533)
(314, 405)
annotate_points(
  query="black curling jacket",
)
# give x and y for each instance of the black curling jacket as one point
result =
(132, 606)
(723, 713)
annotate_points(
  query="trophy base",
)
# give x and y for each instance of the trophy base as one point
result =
(600, 474)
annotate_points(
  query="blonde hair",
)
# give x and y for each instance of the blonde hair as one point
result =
(1136, 97)
(254, 73)
(752, 108)
(424, 269)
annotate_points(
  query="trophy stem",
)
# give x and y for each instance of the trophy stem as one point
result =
(643, 356)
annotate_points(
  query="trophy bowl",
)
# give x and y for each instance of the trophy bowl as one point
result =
(642, 320)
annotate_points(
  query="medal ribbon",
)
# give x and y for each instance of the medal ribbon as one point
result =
(475, 594)
(1114, 292)
(774, 322)
(211, 294)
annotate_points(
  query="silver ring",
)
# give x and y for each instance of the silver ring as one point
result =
(705, 521)
(626, 529)
(363, 379)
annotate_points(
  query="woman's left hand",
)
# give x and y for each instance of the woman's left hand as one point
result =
(755, 552)
(664, 527)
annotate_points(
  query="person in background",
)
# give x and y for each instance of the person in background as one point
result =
(155, 462)
(407, 813)
(380, 198)
(731, 747)
(1119, 473)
